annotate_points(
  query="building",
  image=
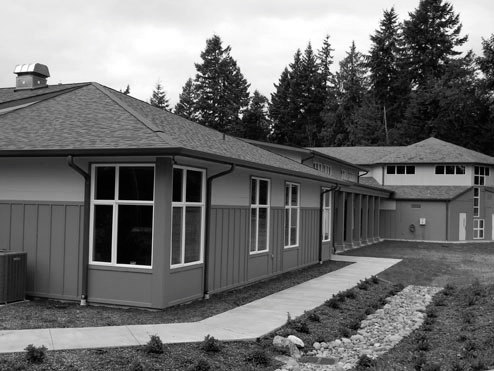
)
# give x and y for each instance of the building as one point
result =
(441, 191)
(118, 202)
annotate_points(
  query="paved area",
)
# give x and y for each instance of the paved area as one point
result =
(249, 321)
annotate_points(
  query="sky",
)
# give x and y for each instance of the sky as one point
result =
(138, 43)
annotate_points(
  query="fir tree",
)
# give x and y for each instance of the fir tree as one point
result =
(221, 89)
(126, 91)
(159, 99)
(186, 102)
(255, 122)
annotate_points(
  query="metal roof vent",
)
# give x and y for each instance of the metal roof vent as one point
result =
(31, 76)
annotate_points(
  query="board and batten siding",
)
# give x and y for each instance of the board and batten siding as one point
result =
(51, 234)
(232, 265)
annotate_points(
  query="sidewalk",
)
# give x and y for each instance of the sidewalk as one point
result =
(246, 322)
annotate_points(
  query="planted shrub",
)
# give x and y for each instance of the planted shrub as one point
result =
(350, 294)
(210, 344)
(314, 317)
(35, 354)
(154, 345)
(200, 365)
(374, 280)
(258, 357)
(333, 303)
(449, 289)
(365, 363)
(369, 310)
(345, 332)
(362, 285)
(341, 297)
(300, 326)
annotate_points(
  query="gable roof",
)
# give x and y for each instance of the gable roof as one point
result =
(91, 119)
(428, 151)
(427, 193)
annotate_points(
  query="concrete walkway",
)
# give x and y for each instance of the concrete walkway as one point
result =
(249, 321)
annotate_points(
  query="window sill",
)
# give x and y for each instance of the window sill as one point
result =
(291, 247)
(120, 268)
(183, 268)
(258, 253)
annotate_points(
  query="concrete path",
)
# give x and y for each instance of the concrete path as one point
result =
(249, 321)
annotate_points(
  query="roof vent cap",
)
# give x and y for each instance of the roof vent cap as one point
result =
(31, 76)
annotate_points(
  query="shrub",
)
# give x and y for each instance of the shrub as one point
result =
(341, 297)
(35, 354)
(365, 362)
(200, 365)
(363, 285)
(449, 289)
(210, 344)
(374, 280)
(314, 317)
(258, 357)
(350, 294)
(333, 303)
(431, 312)
(345, 332)
(369, 310)
(299, 326)
(154, 345)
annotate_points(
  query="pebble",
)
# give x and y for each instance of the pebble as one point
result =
(378, 333)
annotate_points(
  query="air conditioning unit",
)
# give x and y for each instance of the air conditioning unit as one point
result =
(13, 270)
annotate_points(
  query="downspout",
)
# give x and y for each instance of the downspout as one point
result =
(209, 184)
(85, 238)
(321, 199)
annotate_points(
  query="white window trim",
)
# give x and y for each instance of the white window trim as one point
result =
(478, 226)
(476, 209)
(326, 210)
(289, 221)
(115, 202)
(183, 204)
(258, 206)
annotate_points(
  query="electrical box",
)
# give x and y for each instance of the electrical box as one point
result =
(13, 271)
(422, 221)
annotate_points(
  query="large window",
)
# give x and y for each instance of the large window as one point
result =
(326, 216)
(259, 215)
(480, 172)
(187, 216)
(122, 203)
(450, 169)
(478, 229)
(476, 201)
(400, 169)
(292, 202)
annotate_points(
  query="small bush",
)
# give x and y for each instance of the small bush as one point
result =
(374, 280)
(154, 345)
(449, 289)
(369, 310)
(314, 317)
(35, 354)
(333, 303)
(299, 326)
(350, 294)
(258, 357)
(362, 285)
(341, 297)
(365, 363)
(354, 324)
(200, 365)
(345, 332)
(210, 344)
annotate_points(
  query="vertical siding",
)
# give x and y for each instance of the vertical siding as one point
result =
(277, 239)
(50, 233)
(309, 232)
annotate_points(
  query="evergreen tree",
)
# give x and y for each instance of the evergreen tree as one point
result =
(255, 122)
(279, 109)
(388, 85)
(221, 89)
(486, 62)
(431, 35)
(186, 102)
(126, 91)
(325, 59)
(159, 99)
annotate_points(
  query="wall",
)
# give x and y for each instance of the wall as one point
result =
(395, 224)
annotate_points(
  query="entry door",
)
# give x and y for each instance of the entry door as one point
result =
(463, 227)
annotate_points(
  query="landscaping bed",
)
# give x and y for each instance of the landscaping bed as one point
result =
(54, 314)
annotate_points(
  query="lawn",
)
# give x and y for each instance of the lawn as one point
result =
(457, 334)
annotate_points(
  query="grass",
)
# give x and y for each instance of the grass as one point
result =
(53, 314)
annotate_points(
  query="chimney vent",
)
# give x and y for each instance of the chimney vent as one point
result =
(31, 76)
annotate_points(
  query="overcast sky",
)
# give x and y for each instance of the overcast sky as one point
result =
(120, 42)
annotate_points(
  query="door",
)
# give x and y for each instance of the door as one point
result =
(463, 227)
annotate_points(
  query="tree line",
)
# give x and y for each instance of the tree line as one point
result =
(412, 84)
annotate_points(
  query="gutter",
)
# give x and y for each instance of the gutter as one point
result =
(85, 238)
(209, 184)
(321, 199)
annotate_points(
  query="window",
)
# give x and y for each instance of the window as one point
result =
(480, 172)
(476, 201)
(292, 201)
(326, 216)
(400, 169)
(187, 216)
(450, 169)
(122, 203)
(259, 215)
(478, 229)
(324, 168)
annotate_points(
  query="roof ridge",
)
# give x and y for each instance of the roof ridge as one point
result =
(141, 118)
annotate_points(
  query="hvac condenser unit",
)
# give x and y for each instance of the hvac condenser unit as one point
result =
(13, 268)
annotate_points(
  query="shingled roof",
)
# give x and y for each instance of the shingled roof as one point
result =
(428, 151)
(91, 119)
(427, 193)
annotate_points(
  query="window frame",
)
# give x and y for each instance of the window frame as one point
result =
(115, 202)
(478, 229)
(183, 205)
(290, 207)
(257, 206)
(326, 213)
